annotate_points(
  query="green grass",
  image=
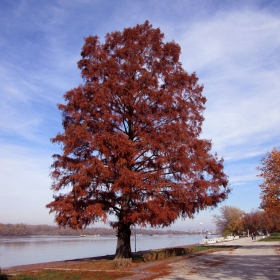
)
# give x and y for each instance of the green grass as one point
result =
(69, 275)
(203, 248)
(271, 238)
(206, 247)
(274, 236)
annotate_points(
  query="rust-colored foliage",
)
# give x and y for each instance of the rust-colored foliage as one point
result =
(270, 187)
(131, 142)
(259, 220)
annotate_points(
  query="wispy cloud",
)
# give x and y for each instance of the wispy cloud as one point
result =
(236, 56)
(232, 45)
(25, 184)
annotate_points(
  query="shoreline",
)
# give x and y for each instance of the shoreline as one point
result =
(54, 264)
(244, 259)
(35, 250)
(57, 264)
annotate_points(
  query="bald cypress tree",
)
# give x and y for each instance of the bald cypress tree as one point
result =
(130, 145)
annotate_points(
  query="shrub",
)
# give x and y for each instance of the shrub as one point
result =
(275, 234)
(119, 263)
(3, 276)
(167, 253)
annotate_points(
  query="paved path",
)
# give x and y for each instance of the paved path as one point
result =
(252, 261)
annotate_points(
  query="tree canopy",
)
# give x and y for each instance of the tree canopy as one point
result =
(260, 221)
(270, 187)
(230, 220)
(130, 145)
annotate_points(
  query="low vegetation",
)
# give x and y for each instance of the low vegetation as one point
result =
(3, 276)
(272, 237)
(167, 253)
(70, 275)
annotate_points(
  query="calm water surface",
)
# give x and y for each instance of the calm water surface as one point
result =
(37, 249)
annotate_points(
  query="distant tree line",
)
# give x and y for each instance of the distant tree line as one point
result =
(233, 220)
(261, 221)
(28, 230)
(266, 219)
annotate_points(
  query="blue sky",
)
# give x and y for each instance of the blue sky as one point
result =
(233, 46)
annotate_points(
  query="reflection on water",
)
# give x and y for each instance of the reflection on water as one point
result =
(37, 249)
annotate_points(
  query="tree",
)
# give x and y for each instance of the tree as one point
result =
(229, 221)
(131, 144)
(270, 187)
(255, 221)
(259, 220)
(272, 222)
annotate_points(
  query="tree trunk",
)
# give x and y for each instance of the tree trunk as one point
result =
(123, 250)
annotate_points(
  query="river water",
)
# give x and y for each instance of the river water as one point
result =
(37, 249)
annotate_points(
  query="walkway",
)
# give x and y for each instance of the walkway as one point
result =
(252, 261)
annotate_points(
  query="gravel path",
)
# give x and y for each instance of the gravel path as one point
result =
(252, 261)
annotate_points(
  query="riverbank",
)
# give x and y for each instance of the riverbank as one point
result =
(30, 250)
(246, 259)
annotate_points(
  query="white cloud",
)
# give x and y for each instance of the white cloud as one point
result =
(235, 52)
(236, 57)
(25, 185)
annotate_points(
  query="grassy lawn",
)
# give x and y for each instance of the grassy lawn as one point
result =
(272, 237)
(70, 275)
(209, 247)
